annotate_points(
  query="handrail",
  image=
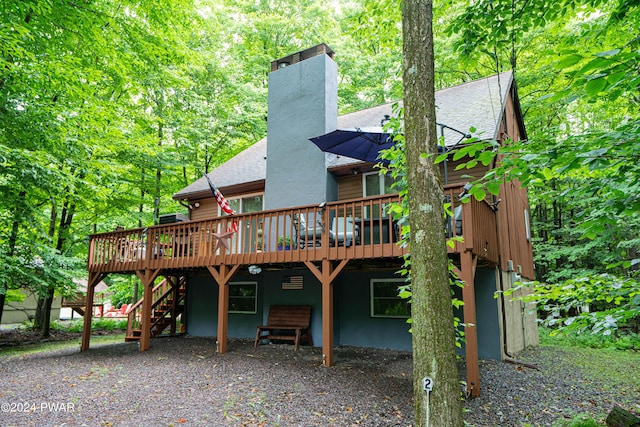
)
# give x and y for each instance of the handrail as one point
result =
(159, 294)
(350, 229)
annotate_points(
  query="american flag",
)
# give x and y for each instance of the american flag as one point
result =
(292, 282)
(222, 202)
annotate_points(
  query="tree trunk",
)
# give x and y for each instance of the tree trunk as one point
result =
(619, 417)
(434, 354)
(156, 205)
(13, 239)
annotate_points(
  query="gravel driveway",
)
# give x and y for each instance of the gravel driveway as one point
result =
(183, 381)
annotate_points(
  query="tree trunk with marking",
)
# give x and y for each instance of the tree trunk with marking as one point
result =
(432, 313)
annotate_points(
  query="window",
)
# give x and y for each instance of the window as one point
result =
(374, 184)
(243, 297)
(245, 204)
(385, 301)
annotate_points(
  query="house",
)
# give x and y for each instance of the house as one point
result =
(222, 282)
(24, 308)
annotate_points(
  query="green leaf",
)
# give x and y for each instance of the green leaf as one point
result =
(494, 187)
(594, 87)
(609, 52)
(568, 60)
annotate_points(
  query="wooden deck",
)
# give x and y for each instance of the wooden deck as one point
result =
(320, 238)
(199, 244)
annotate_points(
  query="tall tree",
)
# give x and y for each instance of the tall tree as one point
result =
(434, 355)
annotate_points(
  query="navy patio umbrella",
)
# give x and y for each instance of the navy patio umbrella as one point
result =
(359, 143)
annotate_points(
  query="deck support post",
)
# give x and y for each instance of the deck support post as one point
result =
(175, 286)
(222, 277)
(468, 264)
(327, 315)
(94, 279)
(147, 277)
(326, 275)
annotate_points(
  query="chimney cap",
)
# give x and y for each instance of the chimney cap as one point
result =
(320, 49)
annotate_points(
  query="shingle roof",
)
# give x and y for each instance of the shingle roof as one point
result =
(479, 104)
(247, 166)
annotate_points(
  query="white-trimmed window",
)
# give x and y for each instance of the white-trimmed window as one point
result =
(246, 203)
(374, 184)
(385, 301)
(243, 297)
(527, 225)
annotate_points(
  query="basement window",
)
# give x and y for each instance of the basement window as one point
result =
(385, 301)
(243, 297)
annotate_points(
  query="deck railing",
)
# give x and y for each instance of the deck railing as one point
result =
(358, 228)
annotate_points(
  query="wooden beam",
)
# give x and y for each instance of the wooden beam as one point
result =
(468, 264)
(222, 277)
(94, 279)
(327, 314)
(326, 274)
(318, 272)
(175, 287)
(147, 278)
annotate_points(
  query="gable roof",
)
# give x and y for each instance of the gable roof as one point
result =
(479, 104)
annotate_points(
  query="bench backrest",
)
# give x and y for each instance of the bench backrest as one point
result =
(289, 315)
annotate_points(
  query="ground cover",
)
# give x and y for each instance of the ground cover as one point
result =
(183, 380)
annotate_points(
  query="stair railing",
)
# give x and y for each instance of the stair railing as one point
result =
(159, 293)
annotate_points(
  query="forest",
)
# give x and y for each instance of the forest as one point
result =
(108, 108)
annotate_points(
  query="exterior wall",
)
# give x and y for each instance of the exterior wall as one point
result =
(18, 312)
(512, 224)
(303, 103)
(202, 309)
(202, 303)
(353, 323)
(350, 187)
(488, 321)
(487, 314)
(208, 209)
(461, 176)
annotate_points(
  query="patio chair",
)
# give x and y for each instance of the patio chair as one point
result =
(309, 232)
(344, 231)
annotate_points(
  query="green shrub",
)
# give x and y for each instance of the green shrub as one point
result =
(96, 325)
(580, 420)
(627, 341)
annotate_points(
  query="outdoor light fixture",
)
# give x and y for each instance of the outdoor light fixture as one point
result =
(465, 190)
(283, 64)
(254, 269)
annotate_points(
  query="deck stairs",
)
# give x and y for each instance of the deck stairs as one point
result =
(168, 304)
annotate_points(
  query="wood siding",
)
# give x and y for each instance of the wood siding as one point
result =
(350, 187)
(512, 230)
(208, 209)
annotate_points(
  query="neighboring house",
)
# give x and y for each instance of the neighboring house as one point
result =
(343, 256)
(25, 310)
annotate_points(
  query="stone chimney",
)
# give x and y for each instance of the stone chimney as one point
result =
(303, 103)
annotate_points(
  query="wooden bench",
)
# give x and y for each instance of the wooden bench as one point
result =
(286, 322)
